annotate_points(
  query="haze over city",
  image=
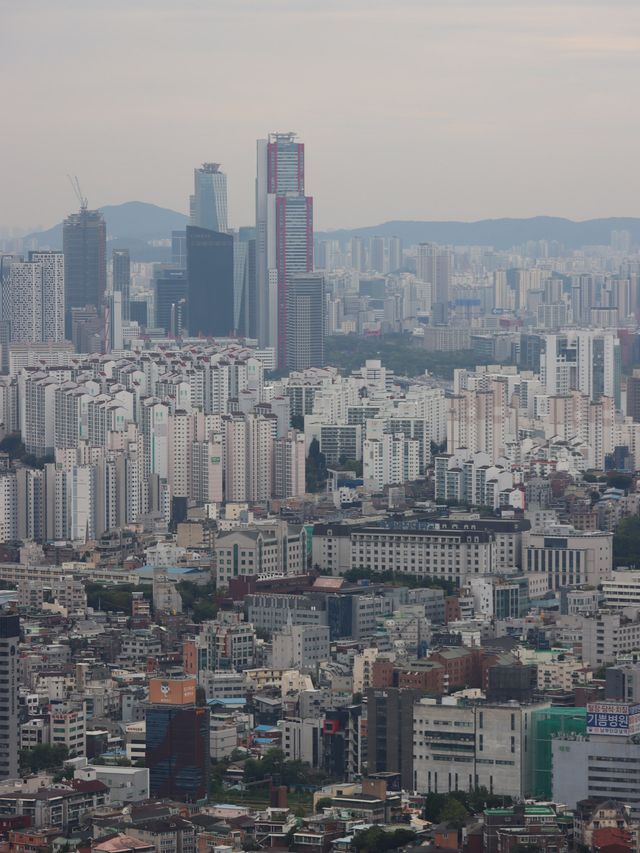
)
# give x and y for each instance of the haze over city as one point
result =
(415, 109)
(320, 426)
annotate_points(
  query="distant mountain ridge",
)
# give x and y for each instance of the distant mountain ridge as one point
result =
(499, 233)
(136, 224)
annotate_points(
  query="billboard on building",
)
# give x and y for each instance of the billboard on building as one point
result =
(613, 718)
(172, 691)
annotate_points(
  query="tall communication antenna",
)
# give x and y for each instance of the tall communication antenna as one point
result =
(75, 183)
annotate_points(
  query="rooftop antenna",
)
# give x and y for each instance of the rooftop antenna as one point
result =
(75, 183)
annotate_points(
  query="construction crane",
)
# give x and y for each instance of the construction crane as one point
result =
(75, 183)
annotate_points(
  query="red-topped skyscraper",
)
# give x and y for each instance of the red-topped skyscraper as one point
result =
(284, 233)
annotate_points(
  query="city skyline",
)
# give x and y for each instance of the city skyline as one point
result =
(320, 539)
(504, 109)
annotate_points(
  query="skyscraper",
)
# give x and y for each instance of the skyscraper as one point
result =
(305, 315)
(209, 199)
(171, 289)
(179, 249)
(633, 396)
(22, 300)
(121, 269)
(395, 254)
(433, 265)
(33, 297)
(53, 290)
(84, 240)
(210, 282)
(377, 254)
(177, 741)
(289, 465)
(115, 339)
(9, 734)
(284, 232)
(244, 282)
(357, 254)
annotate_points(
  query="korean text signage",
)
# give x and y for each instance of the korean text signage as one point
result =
(613, 718)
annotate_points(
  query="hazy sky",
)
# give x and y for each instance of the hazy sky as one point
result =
(410, 109)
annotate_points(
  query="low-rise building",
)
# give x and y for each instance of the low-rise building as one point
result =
(126, 784)
(568, 557)
(461, 746)
(300, 646)
(63, 806)
(606, 635)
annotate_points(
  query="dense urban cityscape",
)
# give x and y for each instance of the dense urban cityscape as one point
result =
(323, 541)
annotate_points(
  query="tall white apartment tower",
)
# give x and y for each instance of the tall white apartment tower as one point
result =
(235, 458)
(52, 266)
(289, 465)
(22, 302)
(8, 506)
(33, 297)
(260, 435)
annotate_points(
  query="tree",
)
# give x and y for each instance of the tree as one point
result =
(616, 480)
(275, 765)
(297, 422)
(402, 353)
(369, 841)
(115, 598)
(454, 813)
(446, 807)
(199, 599)
(63, 775)
(626, 542)
(433, 805)
(323, 803)
(364, 573)
(316, 468)
(354, 465)
(376, 840)
(44, 756)
(14, 446)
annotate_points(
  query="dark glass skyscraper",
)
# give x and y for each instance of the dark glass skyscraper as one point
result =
(210, 282)
(177, 741)
(84, 239)
(245, 297)
(9, 711)
(121, 269)
(171, 290)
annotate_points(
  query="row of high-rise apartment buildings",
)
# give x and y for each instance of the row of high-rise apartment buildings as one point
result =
(148, 433)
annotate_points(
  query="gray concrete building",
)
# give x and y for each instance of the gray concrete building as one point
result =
(9, 734)
(601, 766)
(458, 746)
